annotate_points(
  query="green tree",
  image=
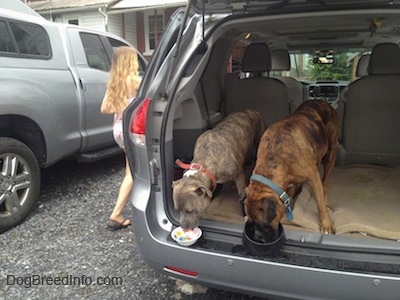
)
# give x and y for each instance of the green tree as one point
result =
(339, 70)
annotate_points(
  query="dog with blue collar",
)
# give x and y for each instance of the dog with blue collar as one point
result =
(289, 155)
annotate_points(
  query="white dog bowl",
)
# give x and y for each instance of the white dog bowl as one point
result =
(186, 237)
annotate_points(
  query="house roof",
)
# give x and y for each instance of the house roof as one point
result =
(66, 5)
(47, 5)
(148, 3)
(19, 6)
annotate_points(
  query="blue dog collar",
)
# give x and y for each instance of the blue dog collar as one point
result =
(282, 194)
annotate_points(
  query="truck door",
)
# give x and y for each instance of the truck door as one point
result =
(91, 71)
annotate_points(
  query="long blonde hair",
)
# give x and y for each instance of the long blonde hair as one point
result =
(124, 80)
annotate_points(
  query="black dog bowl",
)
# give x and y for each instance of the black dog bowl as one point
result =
(257, 247)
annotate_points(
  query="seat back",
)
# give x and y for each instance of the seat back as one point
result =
(280, 61)
(361, 71)
(269, 96)
(371, 122)
(362, 65)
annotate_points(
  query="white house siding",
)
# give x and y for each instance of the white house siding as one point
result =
(95, 20)
(90, 19)
(115, 24)
(130, 28)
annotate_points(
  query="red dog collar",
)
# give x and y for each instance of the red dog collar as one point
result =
(194, 166)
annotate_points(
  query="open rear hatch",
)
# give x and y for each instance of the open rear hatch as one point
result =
(364, 199)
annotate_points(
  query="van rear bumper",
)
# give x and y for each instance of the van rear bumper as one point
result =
(254, 276)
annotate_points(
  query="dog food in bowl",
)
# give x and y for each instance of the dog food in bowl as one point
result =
(257, 247)
(186, 237)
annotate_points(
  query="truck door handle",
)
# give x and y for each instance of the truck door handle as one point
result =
(83, 84)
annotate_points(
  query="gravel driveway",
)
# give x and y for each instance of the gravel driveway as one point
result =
(64, 250)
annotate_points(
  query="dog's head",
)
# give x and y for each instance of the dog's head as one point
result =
(264, 208)
(191, 198)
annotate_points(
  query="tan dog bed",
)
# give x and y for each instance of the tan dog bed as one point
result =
(363, 199)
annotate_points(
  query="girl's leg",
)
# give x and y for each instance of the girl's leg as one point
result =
(123, 198)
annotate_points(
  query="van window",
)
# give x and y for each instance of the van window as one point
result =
(95, 51)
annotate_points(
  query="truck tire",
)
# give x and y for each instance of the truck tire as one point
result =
(19, 182)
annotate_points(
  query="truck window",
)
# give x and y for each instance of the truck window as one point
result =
(116, 43)
(6, 44)
(31, 39)
(95, 51)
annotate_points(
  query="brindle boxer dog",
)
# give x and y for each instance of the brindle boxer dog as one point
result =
(289, 154)
(219, 156)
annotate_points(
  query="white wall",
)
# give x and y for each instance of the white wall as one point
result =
(131, 29)
(115, 24)
(91, 19)
(95, 20)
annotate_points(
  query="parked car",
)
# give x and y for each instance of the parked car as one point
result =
(188, 89)
(52, 81)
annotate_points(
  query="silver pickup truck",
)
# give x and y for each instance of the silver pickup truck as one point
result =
(52, 80)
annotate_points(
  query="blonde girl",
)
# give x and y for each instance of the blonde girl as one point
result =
(122, 87)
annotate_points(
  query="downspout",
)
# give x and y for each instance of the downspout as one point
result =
(105, 17)
(123, 26)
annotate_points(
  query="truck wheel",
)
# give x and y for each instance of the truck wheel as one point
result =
(19, 182)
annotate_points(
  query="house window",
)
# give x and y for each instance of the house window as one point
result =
(73, 21)
(154, 27)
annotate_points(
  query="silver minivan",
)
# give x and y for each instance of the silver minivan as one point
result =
(344, 52)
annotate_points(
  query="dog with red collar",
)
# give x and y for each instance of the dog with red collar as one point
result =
(219, 156)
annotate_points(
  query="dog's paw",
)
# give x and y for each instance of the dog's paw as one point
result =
(327, 228)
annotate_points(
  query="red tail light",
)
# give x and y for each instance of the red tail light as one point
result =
(138, 125)
(180, 271)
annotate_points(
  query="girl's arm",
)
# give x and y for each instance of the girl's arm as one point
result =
(105, 109)
(133, 83)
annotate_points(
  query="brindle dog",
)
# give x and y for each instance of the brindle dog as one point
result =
(289, 154)
(219, 156)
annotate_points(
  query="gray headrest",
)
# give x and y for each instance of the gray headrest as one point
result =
(362, 65)
(385, 59)
(256, 58)
(280, 60)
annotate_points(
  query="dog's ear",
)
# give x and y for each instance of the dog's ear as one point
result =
(203, 191)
